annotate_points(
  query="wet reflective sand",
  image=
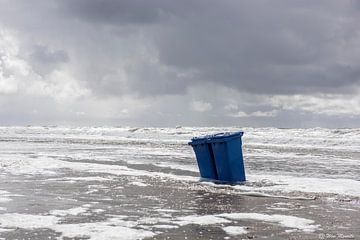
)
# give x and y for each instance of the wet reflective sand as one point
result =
(56, 186)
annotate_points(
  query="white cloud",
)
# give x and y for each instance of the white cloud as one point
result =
(272, 113)
(239, 114)
(200, 106)
(17, 75)
(124, 111)
(11, 67)
(242, 114)
(326, 104)
(231, 107)
(61, 86)
(7, 85)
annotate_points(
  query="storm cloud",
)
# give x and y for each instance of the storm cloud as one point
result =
(182, 62)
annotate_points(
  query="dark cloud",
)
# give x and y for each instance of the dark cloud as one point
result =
(114, 12)
(162, 48)
(264, 48)
(256, 46)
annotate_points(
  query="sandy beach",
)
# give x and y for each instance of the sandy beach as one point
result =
(80, 187)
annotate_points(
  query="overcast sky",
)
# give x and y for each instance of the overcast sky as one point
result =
(167, 63)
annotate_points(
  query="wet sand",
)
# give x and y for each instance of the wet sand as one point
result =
(75, 205)
(121, 183)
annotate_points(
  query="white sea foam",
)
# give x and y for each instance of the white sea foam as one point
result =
(5, 199)
(190, 168)
(167, 210)
(5, 196)
(102, 230)
(139, 184)
(201, 220)
(98, 210)
(306, 225)
(235, 230)
(27, 221)
(117, 227)
(288, 221)
(114, 228)
(75, 179)
(163, 226)
(314, 160)
(284, 184)
(303, 184)
(71, 211)
(47, 165)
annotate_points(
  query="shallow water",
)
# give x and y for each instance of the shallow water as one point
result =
(144, 182)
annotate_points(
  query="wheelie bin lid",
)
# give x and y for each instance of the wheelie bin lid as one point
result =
(199, 140)
(218, 137)
(224, 137)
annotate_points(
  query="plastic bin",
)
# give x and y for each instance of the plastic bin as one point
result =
(227, 150)
(204, 157)
(220, 157)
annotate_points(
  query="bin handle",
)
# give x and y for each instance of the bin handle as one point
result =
(216, 134)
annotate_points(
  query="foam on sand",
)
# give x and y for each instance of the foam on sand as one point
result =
(306, 225)
(297, 223)
(139, 184)
(27, 221)
(255, 183)
(102, 230)
(71, 211)
(87, 179)
(201, 220)
(5, 196)
(235, 230)
(49, 166)
(114, 228)
(117, 227)
(163, 226)
(289, 184)
(4, 199)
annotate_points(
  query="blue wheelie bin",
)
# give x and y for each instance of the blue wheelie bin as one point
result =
(220, 157)
(227, 150)
(204, 157)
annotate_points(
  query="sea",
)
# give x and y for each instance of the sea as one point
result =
(143, 183)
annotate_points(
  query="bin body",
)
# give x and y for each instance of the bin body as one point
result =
(204, 158)
(220, 157)
(228, 157)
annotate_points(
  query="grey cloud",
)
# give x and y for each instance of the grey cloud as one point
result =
(266, 48)
(168, 81)
(164, 49)
(44, 55)
(44, 60)
(115, 12)
(257, 46)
